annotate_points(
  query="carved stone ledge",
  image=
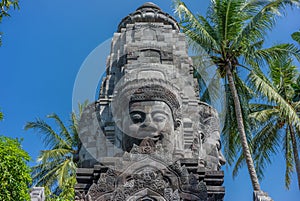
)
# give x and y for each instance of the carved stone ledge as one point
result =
(149, 12)
(156, 180)
(261, 196)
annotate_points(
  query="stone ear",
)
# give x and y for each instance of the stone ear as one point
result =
(201, 135)
(177, 123)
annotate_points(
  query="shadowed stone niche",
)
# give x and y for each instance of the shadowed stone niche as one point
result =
(148, 137)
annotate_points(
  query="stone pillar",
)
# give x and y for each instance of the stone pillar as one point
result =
(37, 194)
(148, 136)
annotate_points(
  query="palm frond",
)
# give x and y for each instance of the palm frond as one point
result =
(50, 137)
(210, 29)
(296, 37)
(276, 52)
(296, 105)
(56, 165)
(262, 87)
(264, 115)
(265, 143)
(209, 80)
(74, 119)
(54, 155)
(238, 165)
(227, 18)
(192, 27)
(212, 92)
(234, 32)
(283, 75)
(251, 50)
(74, 128)
(63, 130)
(65, 170)
(81, 107)
(263, 16)
(255, 107)
(282, 69)
(296, 87)
(46, 176)
(297, 134)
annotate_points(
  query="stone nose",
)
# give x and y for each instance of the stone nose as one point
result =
(222, 159)
(148, 123)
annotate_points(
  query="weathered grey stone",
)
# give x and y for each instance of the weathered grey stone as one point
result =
(148, 136)
(261, 196)
(37, 194)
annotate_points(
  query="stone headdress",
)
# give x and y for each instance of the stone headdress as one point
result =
(139, 90)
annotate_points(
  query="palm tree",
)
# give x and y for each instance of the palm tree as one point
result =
(296, 36)
(56, 166)
(5, 6)
(232, 33)
(276, 128)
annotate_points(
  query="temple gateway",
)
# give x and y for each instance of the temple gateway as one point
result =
(148, 137)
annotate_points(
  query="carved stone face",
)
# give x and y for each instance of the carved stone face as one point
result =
(152, 120)
(214, 154)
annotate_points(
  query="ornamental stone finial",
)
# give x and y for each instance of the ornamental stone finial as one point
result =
(149, 12)
(149, 5)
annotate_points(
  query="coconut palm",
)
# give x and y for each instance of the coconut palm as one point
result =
(296, 36)
(233, 33)
(276, 128)
(56, 166)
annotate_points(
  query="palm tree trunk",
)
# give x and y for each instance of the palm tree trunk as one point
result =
(241, 129)
(295, 152)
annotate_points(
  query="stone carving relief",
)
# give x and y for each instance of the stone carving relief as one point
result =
(148, 136)
(206, 144)
(170, 183)
(151, 119)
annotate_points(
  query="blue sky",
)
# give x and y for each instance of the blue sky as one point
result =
(44, 46)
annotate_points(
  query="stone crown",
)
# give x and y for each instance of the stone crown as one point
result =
(149, 12)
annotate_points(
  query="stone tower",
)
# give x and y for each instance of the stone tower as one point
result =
(148, 136)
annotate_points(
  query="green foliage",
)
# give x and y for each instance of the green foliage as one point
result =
(233, 34)
(281, 95)
(5, 6)
(66, 193)
(230, 134)
(296, 37)
(15, 174)
(56, 168)
(277, 117)
(209, 82)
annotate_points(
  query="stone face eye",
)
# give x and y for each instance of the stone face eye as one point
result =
(218, 145)
(159, 117)
(137, 117)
